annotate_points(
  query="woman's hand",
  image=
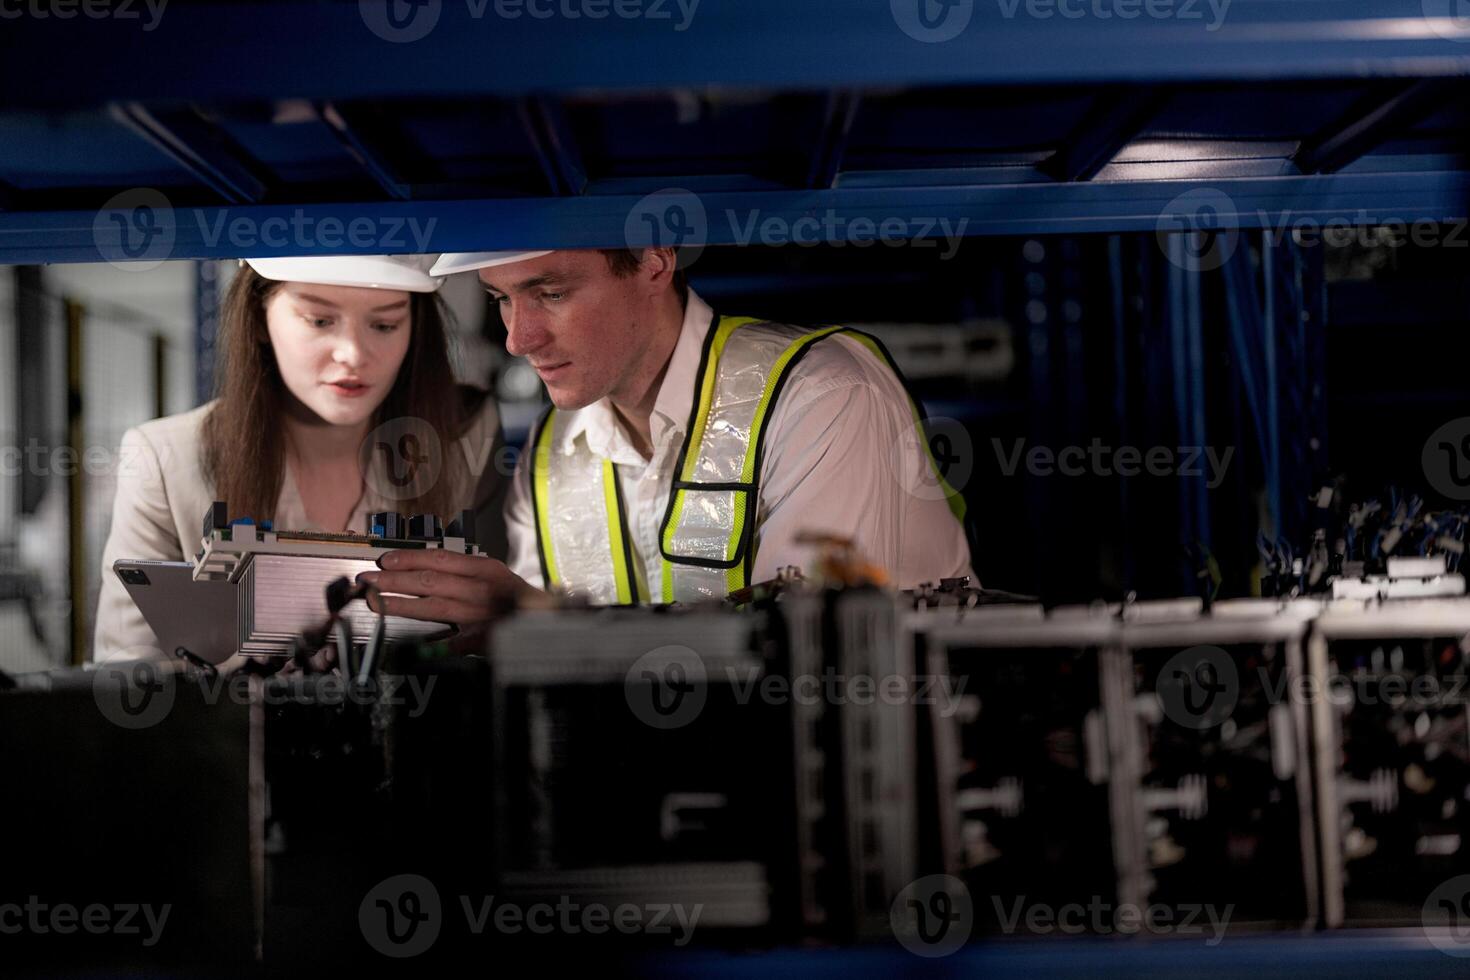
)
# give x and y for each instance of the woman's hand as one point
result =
(446, 587)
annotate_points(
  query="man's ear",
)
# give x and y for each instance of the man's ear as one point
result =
(658, 267)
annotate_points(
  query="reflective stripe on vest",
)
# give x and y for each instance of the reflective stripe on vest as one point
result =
(706, 539)
(585, 531)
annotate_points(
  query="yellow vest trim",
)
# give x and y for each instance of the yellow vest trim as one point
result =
(541, 473)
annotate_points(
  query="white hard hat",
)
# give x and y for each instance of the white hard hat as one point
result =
(407, 272)
(451, 262)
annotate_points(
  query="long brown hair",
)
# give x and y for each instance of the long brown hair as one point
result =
(244, 445)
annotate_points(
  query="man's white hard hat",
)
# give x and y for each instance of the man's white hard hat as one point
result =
(451, 262)
(406, 272)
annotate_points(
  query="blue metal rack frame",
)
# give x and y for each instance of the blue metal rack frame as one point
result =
(509, 123)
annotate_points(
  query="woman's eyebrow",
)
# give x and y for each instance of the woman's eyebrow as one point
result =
(312, 298)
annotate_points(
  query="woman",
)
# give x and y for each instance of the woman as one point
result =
(335, 399)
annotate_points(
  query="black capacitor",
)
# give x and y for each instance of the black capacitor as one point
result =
(463, 526)
(216, 517)
(425, 527)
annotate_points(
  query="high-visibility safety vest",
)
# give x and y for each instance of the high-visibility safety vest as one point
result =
(706, 538)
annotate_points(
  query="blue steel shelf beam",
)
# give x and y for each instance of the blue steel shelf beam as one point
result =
(199, 147)
(839, 113)
(1371, 125)
(1112, 124)
(552, 143)
(463, 49)
(357, 135)
(842, 214)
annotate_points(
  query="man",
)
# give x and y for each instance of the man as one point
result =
(685, 451)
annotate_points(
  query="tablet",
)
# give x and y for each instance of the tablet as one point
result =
(200, 616)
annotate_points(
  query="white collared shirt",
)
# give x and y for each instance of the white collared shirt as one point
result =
(841, 457)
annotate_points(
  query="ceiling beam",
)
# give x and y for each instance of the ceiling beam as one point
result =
(200, 147)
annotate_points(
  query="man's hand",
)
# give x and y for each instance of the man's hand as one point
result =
(445, 587)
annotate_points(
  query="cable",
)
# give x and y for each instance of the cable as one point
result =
(344, 648)
(375, 644)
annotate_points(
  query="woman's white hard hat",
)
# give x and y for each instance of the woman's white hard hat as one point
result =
(451, 262)
(405, 272)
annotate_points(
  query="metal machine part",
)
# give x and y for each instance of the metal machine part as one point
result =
(1390, 716)
(635, 750)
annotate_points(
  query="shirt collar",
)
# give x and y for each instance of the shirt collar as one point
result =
(597, 423)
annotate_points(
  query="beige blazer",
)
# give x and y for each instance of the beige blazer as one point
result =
(162, 494)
